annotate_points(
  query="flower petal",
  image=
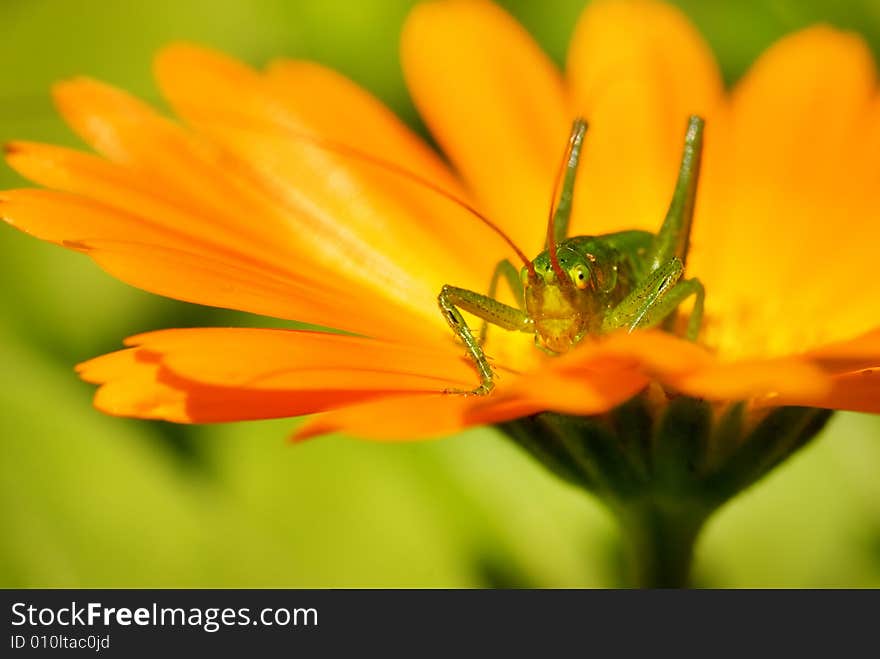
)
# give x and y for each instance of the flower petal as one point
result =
(590, 380)
(688, 368)
(134, 384)
(403, 418)
(211, 181)
(752, 379)
(165, 260)
(267, 358)
(636, 70)
(127, 189)
(165, 157)
(788, 241)
(130, 386)
(587, 391)
(594, 389)
(420, 416)
(494, 102)
(848, 356)
(225, 374)
(853, 392)
(64, 218)
(202, 279)
(435, 415)
(337, 108)
(373, 226)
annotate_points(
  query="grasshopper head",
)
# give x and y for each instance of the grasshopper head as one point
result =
(562, 308)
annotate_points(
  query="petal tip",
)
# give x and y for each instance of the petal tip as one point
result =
(175, 51)
(64, 89)
(10, 149)
(311, 429)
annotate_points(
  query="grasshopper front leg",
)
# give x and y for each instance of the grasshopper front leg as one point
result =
(451, 299)
(657, 297)
(505, 269)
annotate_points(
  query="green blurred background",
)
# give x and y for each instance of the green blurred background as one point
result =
(89, 500)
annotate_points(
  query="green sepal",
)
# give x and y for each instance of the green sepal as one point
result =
(664, 465)
(774, 438)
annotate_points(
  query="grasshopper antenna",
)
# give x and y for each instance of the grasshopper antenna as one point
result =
(560, 212)
(345, 150)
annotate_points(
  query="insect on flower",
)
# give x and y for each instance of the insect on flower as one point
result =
(588, 285)
(293, 193)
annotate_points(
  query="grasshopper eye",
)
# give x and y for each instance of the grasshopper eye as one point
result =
(579, 276)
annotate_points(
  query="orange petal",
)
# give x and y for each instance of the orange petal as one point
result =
(250, 188)
(686, 367)
(164, 260)
(594, 389)
(219, 374)
(425, 416)
(752, 379)
(340, 110)
(786, 239)
(496, 105)
(421, 416)
(848, 356)
(337, 109)
(167, 158)
(128, 190)
(592, 379)
(266, 358)
(136, 385)
(636, 70)
(586, 391)
(395, 418)
(224, 283)
(853, 392)
(130, 386)
(362, 222)
(64, 218)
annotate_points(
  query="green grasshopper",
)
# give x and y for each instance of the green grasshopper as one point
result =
(588, 285)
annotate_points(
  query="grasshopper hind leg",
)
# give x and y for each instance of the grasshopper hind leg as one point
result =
(656, 297)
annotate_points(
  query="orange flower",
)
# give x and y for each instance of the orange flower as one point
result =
(234, 208)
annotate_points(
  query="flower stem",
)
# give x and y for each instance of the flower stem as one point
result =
(660, 540)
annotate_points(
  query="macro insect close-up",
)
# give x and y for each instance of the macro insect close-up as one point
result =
(621, 265)
(590, 285)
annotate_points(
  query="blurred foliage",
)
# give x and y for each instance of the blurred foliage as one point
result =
(89, 500)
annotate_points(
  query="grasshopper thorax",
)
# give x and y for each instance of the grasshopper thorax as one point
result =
(565, 309)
